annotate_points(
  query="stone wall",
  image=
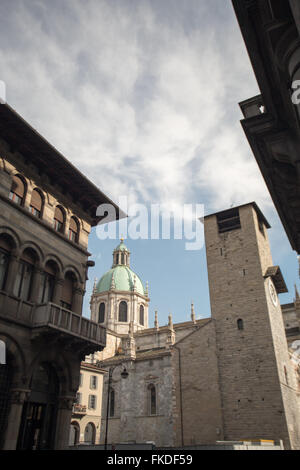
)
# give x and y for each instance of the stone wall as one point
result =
(196, 394)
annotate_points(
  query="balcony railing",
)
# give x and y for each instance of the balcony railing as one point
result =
(79, 409)
(58, 317)
(51, 316)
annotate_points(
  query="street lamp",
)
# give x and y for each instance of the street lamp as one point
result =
(124, 375)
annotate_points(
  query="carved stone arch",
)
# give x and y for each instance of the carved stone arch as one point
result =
(17, 358)
(75, 271)
(13, 235)
(34, 247)
(59, 363)
(51, 257)
(25, 180)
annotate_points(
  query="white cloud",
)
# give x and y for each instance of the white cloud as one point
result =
(140, 101)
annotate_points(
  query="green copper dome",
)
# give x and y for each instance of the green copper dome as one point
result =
(120, 276)
(123, 280)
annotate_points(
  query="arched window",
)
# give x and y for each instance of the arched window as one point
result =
(112, 403)
(142, 315)
(73, 230)
(36, 203)
(240, 324)
(74, 434)
(152, 399)
(101, 313)
(67, 291)
(5, 249)
(48, 282)
(89, 434)
(122, 258)
(17, 192)
(59, 219)
(123, 311)
(25, 274)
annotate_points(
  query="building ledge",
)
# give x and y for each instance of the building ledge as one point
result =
(275, 273)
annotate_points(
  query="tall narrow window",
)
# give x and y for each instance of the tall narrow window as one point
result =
(67, 291)
(5, 249)
(112, 403)
(78, 398)
(286, 375)
(123, 311)
(152, 399)
(73, 230)
(17, 191)
(93, 382)
(48, 282)
(240, 324)
(25, 275)
(59, 219)
(142, 315)
(92, 402)
(122, 258)
(102, 312)
(36, 203)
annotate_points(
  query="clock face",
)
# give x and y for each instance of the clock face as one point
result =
(273, 293)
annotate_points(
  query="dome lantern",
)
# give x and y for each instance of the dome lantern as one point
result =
(121, 255)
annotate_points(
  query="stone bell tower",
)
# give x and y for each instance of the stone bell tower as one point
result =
(257, 383)
(120, 299)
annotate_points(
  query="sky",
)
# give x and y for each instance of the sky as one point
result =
(142, 96)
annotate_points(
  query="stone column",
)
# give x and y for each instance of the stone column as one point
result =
(57, 291)
(78, 294)
(12, 273)
(36, 284)
(63, 423)
(17, 399)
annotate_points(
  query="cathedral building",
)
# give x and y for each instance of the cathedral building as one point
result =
(228, 377)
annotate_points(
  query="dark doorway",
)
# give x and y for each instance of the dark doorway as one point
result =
(5, 383)
(38, 423)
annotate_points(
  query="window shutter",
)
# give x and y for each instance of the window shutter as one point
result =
(18, 187)
(73, 225)
(36, 200)
(67, 291)
(58, 215)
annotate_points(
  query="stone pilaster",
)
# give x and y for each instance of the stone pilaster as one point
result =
(17, 399)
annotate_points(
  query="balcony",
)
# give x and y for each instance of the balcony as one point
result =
(50, 320)
(79, 409)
